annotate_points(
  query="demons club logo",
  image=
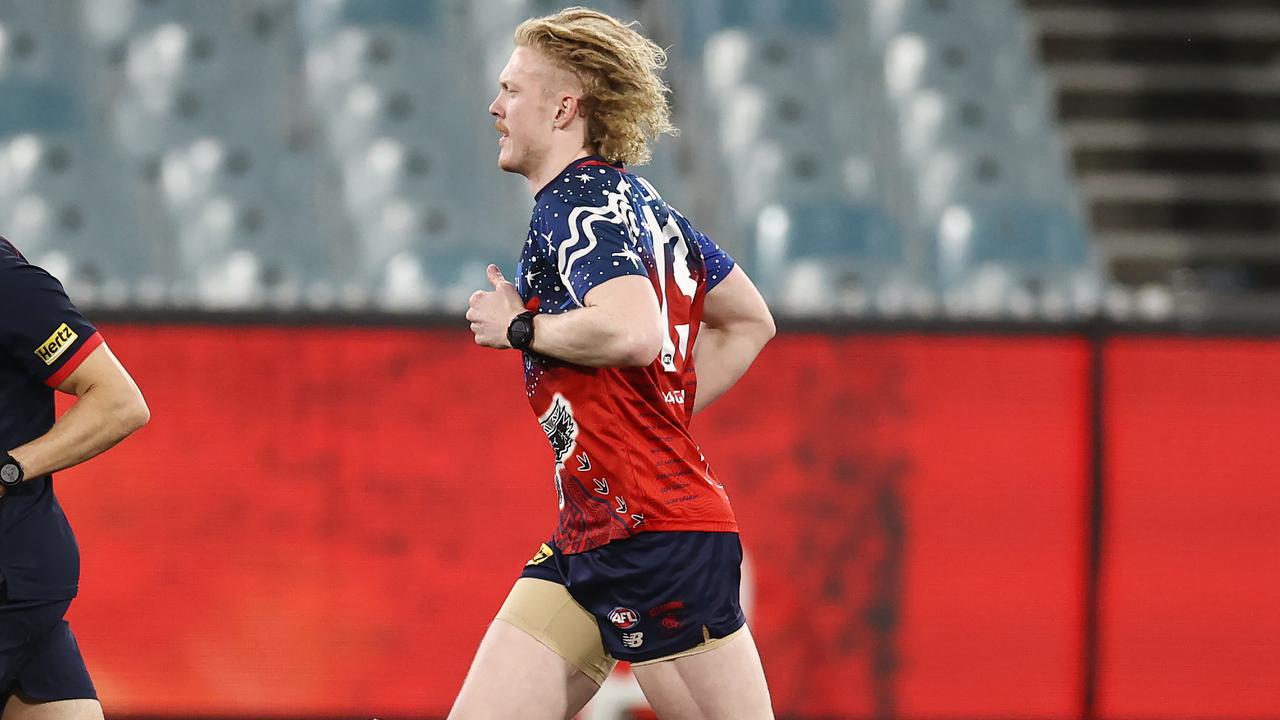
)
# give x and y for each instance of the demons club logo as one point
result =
(560, 426)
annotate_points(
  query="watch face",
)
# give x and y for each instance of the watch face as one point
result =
(9, 473)
(520, 331)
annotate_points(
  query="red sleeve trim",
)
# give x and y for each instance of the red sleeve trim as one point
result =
(70, 366)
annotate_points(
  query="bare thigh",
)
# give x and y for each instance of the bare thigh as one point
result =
(726, 683)
(514, 675)
(20, 709)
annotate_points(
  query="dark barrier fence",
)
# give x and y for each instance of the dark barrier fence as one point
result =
(321, 521)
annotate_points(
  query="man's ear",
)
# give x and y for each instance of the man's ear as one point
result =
(569, 108)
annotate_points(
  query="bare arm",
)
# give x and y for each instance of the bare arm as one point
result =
(736, 327)
(108, 409)
(619, 325)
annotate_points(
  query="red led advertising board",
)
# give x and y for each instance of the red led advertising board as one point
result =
(322, 521)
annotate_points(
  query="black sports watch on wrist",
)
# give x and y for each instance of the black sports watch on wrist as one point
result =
(11, 473)
(520, 331)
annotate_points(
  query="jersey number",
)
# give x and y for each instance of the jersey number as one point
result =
(668, 239)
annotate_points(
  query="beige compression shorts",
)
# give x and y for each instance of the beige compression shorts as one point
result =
(545, 610)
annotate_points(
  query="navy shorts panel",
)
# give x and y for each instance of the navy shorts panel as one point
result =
(655, 594)
(39, 656)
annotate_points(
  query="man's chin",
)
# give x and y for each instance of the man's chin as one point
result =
(506, 165)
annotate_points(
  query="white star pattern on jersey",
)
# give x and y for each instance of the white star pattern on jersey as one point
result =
(615, 211)
(629, 254)
(560, 240)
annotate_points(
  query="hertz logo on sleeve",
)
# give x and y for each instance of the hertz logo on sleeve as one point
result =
(58, 342)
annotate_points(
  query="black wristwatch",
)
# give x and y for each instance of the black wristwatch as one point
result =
(520, 331)
(11, 474)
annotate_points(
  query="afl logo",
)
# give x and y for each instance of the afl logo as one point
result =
(624, 618)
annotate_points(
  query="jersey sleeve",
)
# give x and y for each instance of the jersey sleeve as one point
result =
(590, 246)
(719, 263)
(40, 329)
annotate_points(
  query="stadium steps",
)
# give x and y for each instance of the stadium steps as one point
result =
(1171, 113)
(1175, 246)
(1087, 77)
(1173, 184)
(1129, 134)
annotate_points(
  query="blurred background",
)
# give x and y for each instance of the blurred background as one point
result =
(1010, 457)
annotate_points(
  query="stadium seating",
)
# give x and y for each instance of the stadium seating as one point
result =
(321, 153)
(996, 258)
(832, 258)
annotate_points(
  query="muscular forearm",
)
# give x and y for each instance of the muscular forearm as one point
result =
(594, 337)
(723, 356)
(97, 421)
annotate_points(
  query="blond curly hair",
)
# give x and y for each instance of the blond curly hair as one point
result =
(623, 98)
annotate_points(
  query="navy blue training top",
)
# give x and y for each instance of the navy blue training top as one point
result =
(43, 339)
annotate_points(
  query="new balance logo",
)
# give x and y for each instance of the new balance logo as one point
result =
(674, 397)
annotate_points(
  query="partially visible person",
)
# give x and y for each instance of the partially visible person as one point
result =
(47, 345)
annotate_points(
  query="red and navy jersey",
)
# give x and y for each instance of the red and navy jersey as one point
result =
(624, 459)
(43, 339)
